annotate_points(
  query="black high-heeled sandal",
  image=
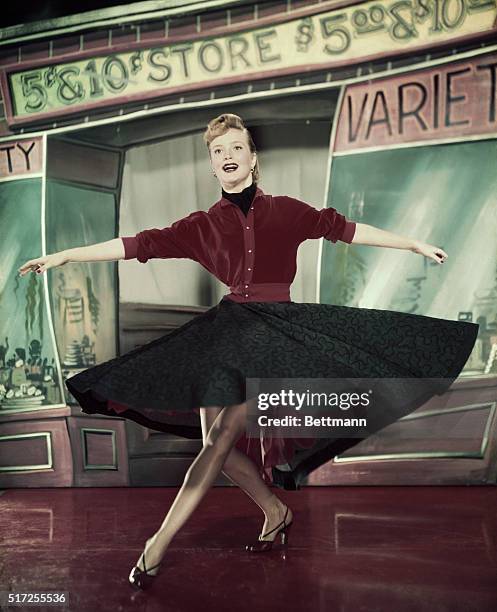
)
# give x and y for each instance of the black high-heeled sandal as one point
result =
(265, 545)
(140, 578)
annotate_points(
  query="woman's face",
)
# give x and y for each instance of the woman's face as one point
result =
(232, 160)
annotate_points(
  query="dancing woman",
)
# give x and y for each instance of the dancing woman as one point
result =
(249, 241)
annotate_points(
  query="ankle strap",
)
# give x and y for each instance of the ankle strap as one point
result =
(282, 522)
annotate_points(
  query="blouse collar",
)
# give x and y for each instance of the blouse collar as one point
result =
(225, 202)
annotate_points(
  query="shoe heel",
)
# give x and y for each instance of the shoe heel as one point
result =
(266, 545)
(285, 534)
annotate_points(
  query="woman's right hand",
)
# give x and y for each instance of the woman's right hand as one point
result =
(41, 264)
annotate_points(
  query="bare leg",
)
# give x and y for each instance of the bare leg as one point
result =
(225, 431)
(242, 471)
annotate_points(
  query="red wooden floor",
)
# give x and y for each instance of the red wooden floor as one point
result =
(351, 549)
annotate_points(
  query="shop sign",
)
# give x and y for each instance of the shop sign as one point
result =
(453, 100)
(21, 157)
(330, 38)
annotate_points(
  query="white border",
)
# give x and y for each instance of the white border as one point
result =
(418, 143)
(19, 177)
(45, 274)
(334, 129)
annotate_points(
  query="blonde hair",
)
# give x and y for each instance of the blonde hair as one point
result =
(220, 125)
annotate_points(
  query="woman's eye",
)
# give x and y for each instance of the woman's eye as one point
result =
(238, 147)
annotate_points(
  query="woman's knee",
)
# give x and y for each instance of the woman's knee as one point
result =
(227, 428)
(224, 433)
(221, 437)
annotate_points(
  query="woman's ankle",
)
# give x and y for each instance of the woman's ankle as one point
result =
(275, 508)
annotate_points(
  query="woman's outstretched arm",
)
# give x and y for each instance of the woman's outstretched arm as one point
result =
(374, 236)
(111, 250)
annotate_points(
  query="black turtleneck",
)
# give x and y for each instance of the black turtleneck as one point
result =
(243, 199)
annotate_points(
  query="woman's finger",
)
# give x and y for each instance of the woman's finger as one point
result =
(32, 265)
(26, 266)
(441, 254)
(43, 267)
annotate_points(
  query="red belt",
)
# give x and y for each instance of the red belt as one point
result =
(260, 292)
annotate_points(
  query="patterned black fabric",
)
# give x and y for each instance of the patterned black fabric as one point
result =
(205, 363)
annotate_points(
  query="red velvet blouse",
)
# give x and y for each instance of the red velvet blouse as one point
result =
(256, 255)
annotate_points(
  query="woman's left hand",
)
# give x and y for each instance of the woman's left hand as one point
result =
(428, 250)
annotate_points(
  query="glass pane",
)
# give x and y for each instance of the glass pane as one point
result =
(28, 371)
(443, 195)
(82, 294)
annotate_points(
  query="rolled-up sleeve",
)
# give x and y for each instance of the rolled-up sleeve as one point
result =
(180, 241)
(326, 223)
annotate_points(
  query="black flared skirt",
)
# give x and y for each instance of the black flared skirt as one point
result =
(206, 362)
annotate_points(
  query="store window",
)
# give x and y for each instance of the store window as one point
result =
(443, 195)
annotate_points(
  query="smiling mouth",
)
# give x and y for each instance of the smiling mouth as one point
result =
(230, 167)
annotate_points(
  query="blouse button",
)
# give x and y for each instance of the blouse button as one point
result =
(249, 269)
(248, 227)
(246, 295)
(250, 250)
(246, 286)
